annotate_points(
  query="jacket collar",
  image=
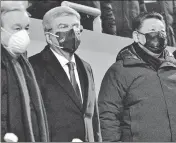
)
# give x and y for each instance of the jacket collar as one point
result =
(133, 55)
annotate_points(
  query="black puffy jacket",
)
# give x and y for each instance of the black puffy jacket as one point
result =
(137, 98)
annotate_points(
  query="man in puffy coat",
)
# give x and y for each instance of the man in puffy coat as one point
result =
(137, 98)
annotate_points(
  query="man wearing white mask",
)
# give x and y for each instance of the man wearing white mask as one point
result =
(22, 110)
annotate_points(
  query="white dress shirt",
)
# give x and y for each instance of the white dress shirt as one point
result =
(63, 61)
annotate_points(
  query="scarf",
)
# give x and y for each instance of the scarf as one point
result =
(20, 69)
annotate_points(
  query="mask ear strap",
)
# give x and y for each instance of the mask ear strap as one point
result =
(6, 31)
(51, 34)
(56, 45)
(142, 34)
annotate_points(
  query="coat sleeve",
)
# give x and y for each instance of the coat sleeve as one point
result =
(110, 103)
(108, 18)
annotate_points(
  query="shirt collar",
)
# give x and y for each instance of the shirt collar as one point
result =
(63, 61)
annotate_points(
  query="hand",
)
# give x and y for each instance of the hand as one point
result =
(76, 140)
(10, 137)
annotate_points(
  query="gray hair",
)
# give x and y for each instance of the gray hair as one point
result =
(56, 12)
(8, 6)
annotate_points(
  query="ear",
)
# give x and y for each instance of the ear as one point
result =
(135, 36)
(48, 40)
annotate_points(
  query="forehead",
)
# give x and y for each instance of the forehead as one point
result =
(15, 17)
(65, 19)
(152, 24)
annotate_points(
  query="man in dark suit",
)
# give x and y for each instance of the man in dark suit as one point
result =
(65, 80)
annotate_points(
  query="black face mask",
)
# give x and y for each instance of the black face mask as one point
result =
(174, 53)
(155, 42)
(71, 40)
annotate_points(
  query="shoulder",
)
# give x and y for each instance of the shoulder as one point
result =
(116, 70)
(118, 67)
(127, 51)
(37, 65)
(86, 65)
(35, 58)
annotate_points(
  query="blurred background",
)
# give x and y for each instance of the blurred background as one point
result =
(116, 16)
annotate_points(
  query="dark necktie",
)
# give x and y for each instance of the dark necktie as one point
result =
(73, 80)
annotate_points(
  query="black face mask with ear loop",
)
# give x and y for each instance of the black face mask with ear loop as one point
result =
(155, 41)
(69, 40)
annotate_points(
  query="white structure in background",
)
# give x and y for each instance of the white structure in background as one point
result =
(149, 1)
(97, 26)
(26, 4)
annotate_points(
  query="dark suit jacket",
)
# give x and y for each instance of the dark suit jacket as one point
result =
(64, 111)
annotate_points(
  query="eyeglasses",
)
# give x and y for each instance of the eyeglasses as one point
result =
(161, 33)
(76, 27)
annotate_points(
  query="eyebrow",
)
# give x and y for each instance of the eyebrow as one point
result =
(20, 25)
(67, 24)
(62, 24)
(17, 25)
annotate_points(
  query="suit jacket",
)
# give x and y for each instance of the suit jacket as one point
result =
(64, 111)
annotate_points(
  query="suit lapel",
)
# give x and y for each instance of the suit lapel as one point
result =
(90, 94)
(57, 72)
(83, 80)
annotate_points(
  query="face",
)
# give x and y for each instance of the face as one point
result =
(64, 24)
(151, 37)
(150, 25)
(13, 22)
